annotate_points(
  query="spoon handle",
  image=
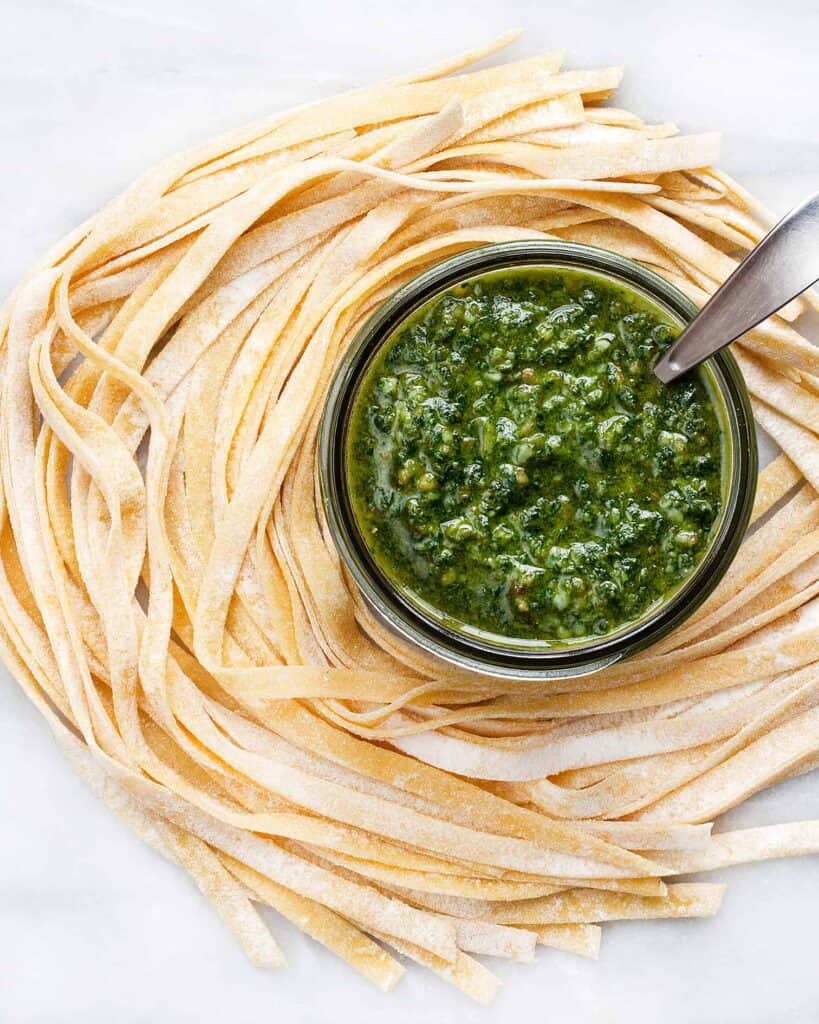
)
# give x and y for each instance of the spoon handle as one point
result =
(783, 265)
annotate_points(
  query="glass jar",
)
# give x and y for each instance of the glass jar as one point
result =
(507, 657)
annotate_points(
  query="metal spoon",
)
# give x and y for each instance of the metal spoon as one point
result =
(782, 266)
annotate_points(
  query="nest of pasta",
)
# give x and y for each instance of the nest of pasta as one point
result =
(171, 602)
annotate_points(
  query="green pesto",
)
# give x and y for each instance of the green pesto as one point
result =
(515, 466)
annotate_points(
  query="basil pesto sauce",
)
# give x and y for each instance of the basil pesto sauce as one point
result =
(514, 465)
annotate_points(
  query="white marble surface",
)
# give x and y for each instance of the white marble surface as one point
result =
(96, 928)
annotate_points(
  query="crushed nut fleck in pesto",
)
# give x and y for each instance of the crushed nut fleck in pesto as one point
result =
(514, 463)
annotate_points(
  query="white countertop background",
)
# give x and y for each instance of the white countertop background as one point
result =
(94, 926)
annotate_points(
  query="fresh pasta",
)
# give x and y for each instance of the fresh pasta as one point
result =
(172, 604)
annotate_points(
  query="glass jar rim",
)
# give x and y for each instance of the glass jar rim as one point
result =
(529, 661)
